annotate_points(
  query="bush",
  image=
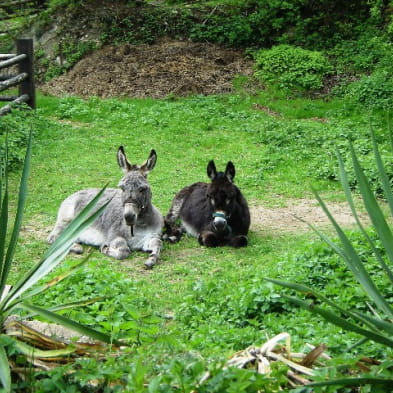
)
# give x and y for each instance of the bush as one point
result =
(291, 67)
(362, 55)
(17, 125)
(373, 91)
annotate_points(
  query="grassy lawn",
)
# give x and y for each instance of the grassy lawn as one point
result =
(209, 302)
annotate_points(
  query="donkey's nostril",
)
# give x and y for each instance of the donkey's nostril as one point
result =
(220, 223)
(130, 218)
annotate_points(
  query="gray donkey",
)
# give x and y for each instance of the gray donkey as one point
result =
(129, 222)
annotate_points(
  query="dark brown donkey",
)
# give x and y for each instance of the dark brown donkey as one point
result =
(216, 213)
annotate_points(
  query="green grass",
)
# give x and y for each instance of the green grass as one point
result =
(210, 302)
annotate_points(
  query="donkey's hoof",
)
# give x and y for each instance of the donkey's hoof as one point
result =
(149, 263)
(208, 239)
(77, 249)
(239, 241)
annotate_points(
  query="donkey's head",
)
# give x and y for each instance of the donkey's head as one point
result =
(222, 194)
(136, 192)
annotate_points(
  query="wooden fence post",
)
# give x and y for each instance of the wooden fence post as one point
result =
(25, 45)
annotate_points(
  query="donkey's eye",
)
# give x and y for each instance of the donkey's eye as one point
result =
(142, 189)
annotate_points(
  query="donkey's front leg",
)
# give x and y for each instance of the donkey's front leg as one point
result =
(116, 248)
(153, 245)
(208, 239)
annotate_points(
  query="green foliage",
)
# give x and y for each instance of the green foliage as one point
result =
(290, 67)
(147, 25)
(377, 325)
(233, 30)
(16, 300)
(17, 126)
(373, 91)
(69, 53)
(363, 55)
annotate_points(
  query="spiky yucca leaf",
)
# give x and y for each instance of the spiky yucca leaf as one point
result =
(56, 254)
(376, 328)
(16, 297)
(5, 372)
(7, 253)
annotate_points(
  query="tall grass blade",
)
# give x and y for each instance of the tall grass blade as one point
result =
(77, 327)
(3, 206)
(341, 322)
(3, 231)
(374, 211)
(348, 195)
(377, 322)
(80, 303)
(360, 381)
(36, 353)
(73, 226)
(52, 259)
(387, 189)
(54, 281)
(5, 372)
(18, 218)
(354, 263)
(302, 288)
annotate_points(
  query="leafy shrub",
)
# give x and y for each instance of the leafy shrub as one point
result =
(373, 91)
(291, 67)
(305, 140)
(71, 53)
(364, 54)
(233, 30)
(17, 125)
(377, 325)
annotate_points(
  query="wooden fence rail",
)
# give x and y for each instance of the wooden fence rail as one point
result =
(24, 79)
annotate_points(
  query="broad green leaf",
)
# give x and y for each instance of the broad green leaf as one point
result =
(3, 233)
(69, 231)
(374, 211)
(382, 174)
(5, 372)
(304, 289)
(3, 205)
(54, 281)
(351, 257)
(378, 323)
(360, 381)
(348, 195)
(77, 327)
(341, 322)
(34, 352)
(52, 259)
(19, 215)
(80, 303)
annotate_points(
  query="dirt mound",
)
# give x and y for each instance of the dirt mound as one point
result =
(166, 68)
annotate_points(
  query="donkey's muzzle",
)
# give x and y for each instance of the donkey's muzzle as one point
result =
(130, 213)
(219, 221)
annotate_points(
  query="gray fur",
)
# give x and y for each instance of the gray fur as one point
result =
(129, 222)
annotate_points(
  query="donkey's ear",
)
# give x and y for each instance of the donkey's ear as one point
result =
(122, 160)
(211, 170)
(149, 164)
(230, 171)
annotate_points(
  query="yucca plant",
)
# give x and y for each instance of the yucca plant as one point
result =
(16, 337)
(378, 325)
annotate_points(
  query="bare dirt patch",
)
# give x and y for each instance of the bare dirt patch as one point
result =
(166, 68)
(293, 217)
